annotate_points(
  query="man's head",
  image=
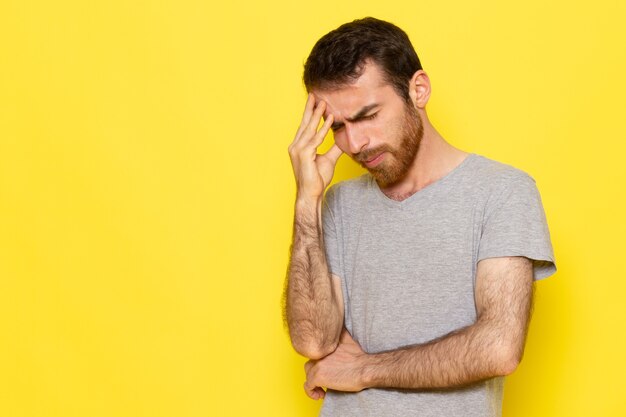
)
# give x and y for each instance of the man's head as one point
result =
(339, 57)
(371, 80)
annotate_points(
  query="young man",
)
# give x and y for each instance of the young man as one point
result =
(410, 287)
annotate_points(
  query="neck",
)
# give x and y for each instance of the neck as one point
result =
(435, 159)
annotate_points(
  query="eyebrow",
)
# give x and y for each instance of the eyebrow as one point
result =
(359, 115)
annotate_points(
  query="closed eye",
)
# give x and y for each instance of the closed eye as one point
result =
(337, 126)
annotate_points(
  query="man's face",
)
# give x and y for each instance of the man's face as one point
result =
(374, 126)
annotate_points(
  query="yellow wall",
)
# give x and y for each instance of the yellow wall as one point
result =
(146, 193)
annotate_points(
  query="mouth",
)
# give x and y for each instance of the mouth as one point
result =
(371, 163)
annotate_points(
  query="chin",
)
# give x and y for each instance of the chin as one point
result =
(386, 177)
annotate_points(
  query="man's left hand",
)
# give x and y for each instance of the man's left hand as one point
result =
(342, 370)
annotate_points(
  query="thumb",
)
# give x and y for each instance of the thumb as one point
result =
(333, 153)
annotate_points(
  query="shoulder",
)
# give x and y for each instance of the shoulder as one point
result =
(504, 188)
(494, 177)
(494, 170)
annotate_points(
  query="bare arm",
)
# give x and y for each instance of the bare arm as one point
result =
(492, 346)
(314, 307)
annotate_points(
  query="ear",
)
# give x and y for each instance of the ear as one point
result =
(419, 89)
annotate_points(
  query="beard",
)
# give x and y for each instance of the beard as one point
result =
(397, 162)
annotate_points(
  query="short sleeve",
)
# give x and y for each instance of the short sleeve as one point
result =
(331, 240)
(515, 225)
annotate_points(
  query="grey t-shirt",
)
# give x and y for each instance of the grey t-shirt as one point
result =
(408, 271)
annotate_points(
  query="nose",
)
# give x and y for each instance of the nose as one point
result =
(357, 141)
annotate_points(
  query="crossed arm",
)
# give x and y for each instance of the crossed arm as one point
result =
(492, 346)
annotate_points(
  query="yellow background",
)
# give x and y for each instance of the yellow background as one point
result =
(146, 193)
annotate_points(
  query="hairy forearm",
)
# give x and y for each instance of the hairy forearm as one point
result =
(492, 346)
(311, 311)
(468, 355)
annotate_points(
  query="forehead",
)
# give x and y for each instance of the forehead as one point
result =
(344, 101)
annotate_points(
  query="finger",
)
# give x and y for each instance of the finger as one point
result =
(314, 392)
(306, 117)
(308, 108)
(309, 131)
(321, 134)
(308, 366)
(333, 154)
(319, 392)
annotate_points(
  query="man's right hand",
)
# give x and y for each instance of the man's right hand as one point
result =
(313, 171)
(313, 299)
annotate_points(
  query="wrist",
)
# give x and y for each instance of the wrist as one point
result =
(308, 211)
(308, 200)
(309, 205)
(368, 371)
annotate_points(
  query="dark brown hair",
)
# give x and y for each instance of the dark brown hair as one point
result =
(339, 57)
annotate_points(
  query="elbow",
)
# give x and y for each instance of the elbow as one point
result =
(509, 366)
(314, 350)
(508, 360)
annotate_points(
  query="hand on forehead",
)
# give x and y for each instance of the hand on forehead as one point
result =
(347, 100)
